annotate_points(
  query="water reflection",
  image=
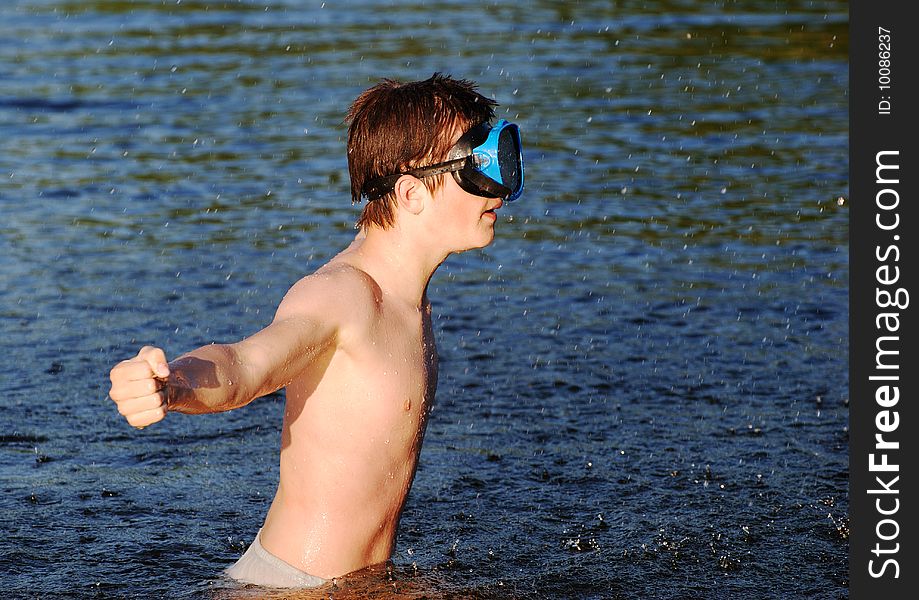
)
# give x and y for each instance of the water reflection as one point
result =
(666, 305)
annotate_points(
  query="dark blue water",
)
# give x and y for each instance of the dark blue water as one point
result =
(643, 387)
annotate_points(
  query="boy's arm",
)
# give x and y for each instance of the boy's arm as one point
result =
(222, 377)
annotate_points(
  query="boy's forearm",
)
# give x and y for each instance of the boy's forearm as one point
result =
(206, 380)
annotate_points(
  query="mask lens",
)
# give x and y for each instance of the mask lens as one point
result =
(509, 157)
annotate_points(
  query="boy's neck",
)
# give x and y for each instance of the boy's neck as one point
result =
(401, 266)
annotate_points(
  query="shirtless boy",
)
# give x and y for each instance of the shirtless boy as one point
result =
(353, 343)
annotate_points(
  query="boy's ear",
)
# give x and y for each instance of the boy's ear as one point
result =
(411, 194)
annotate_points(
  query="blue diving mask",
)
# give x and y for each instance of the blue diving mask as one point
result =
(486, 161)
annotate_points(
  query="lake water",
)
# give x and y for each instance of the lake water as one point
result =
(643, 386)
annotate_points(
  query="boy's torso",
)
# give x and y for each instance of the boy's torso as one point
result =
(353, 426)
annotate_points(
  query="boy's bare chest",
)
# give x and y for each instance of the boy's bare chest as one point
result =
(402, 360)
(377, 394)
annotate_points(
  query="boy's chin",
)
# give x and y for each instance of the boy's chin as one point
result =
(480, 244)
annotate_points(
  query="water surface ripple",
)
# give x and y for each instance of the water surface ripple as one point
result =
(644, 379)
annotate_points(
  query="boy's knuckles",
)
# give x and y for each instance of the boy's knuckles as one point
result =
(152, 355)
(118, 371)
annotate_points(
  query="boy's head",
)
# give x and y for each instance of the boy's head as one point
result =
(397, 126)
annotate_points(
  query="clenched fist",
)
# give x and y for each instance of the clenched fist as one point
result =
(138, 387)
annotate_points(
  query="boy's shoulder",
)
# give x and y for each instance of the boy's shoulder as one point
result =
(335, 290)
